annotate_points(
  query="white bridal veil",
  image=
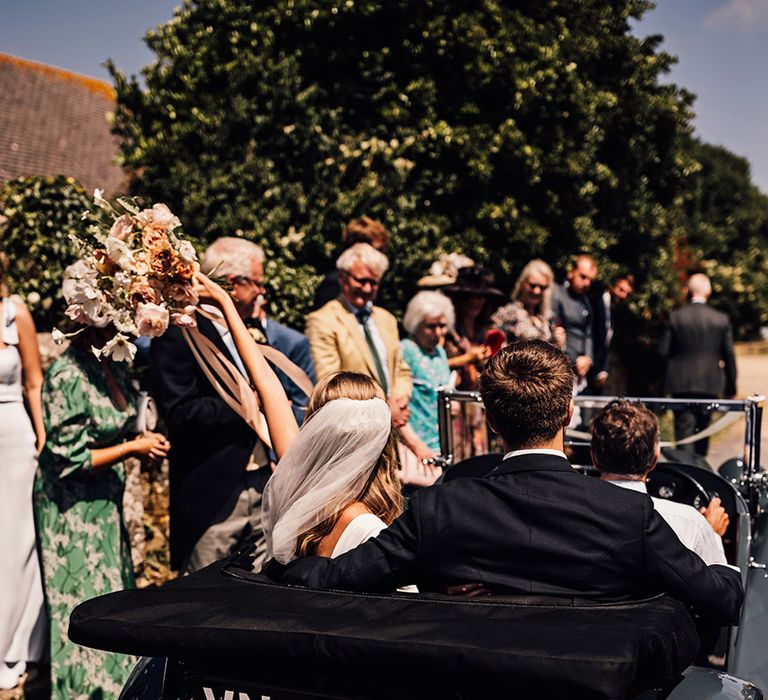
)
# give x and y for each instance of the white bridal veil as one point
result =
(323, 470)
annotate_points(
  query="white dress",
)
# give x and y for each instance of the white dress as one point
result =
(359, 530)
(22, 626)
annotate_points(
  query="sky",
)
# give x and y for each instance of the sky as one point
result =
(722, 46)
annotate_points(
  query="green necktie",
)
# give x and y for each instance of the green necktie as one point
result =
(363, 318)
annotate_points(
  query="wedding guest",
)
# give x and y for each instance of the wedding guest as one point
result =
(528, 316)
(572, 310)
(352, 334)
(427, 319)
(625, 449)
(21, 438)
(89, 414)
(474, 298)
(218, 467)
(364, 229)
(608, 301)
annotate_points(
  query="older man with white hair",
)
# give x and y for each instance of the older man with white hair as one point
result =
(218, 466)
(696, 341)
(351, 334)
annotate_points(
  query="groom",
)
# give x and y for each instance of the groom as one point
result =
(534, 526)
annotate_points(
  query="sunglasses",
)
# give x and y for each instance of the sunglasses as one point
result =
(542, 287)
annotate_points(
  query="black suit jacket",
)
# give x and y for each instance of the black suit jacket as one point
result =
(211, 444)
(534, 526)
(694, 342)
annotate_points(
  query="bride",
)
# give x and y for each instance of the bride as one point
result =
(336, 482)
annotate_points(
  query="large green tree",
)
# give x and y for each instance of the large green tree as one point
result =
(503, 130)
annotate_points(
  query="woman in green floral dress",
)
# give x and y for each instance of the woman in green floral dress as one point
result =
(89, 413)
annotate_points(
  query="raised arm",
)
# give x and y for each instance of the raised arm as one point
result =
(277, 409)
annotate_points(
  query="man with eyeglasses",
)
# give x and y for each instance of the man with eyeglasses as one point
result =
(218, 467)
(572, 310)
(350, 334)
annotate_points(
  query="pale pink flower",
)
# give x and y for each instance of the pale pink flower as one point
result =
(152, 320)
(122, 227)
(119, 253)
(186, 319)
(162, 215)
(183, 294)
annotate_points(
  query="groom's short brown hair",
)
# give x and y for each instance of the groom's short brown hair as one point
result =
(527, 389)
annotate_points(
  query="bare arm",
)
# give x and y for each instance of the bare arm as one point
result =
(152, 445)
(277, 409)
(32, 372)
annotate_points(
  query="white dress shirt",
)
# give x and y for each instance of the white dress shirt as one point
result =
(221, 326)
(691, 527)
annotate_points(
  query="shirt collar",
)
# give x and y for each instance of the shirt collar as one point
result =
(698, 300)
(518, 453)
(631, 484)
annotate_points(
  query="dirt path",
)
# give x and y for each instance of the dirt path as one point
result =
(752, 378)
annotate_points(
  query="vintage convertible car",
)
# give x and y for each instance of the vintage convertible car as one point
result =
(226, 633)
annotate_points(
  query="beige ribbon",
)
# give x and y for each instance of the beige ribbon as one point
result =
(236, 392)
(230, 384)
(297, 375)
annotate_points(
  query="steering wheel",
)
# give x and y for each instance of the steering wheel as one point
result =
(677, 486)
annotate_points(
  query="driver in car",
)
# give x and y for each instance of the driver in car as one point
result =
(625, 448)
(534, 525)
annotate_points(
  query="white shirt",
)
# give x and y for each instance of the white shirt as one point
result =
(542, 451)
(691, 527)
(226, 336)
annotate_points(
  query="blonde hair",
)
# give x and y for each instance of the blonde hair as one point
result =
(381, 493)
(537, 266)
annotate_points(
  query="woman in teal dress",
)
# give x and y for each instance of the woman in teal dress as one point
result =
(427, 318)
(89, 414)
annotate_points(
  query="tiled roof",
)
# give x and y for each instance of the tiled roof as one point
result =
(53, 122)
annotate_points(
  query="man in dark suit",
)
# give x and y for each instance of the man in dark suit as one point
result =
(534, 525)
(572, 310)
(218, 466)
(695, 343)
(606, 301)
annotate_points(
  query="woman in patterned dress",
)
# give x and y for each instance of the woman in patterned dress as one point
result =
(89, 414)
(528, 316)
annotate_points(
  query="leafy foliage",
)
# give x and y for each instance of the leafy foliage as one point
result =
(37, 217)
(503, 130)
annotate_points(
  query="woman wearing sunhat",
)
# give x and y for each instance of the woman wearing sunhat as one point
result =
(475, 298)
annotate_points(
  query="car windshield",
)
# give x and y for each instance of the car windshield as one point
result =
(733, 431)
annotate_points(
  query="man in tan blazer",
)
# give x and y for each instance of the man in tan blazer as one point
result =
(351, 334)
